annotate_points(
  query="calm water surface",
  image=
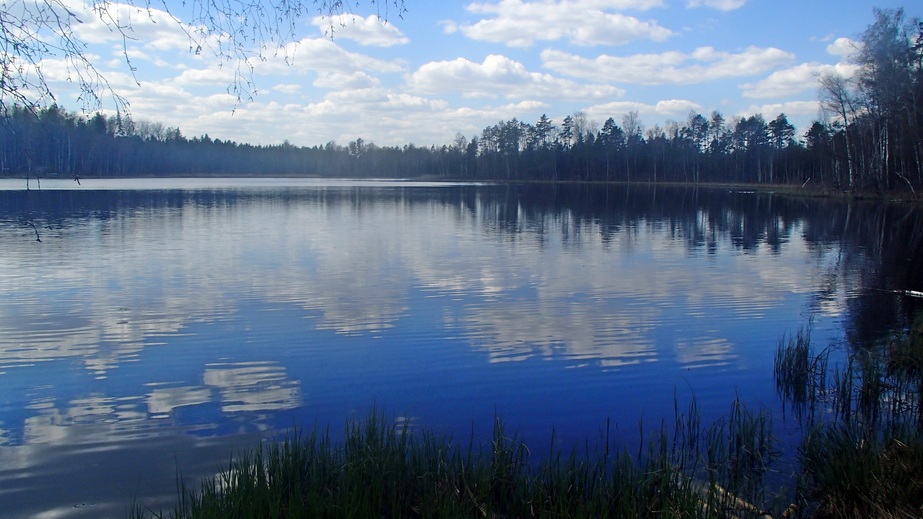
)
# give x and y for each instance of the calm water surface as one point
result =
(158, 326)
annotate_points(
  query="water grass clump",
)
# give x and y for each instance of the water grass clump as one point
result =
(800, 375)
(862, 451)
(382, 469)
(861, 456)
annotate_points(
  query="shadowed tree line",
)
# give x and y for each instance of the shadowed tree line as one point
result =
(56, 143)
(871, 139)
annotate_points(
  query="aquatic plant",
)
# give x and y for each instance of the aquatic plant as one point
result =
(800, 375)
(381, 469)
(861, 456)
(862, 451)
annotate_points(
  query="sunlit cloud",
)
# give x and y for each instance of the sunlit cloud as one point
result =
(287, 88)
(178, 106)
(322, 54)
(499, 76)
(368, 31)
(803, 78)
(667, 108)
(393, 118)
(702, 65)
(721, 5)
(199, 76)
(845, 48)
(799, 80)
(519, 23)
(152, 28)
(787, 82)
(345, 81)
(675, 106)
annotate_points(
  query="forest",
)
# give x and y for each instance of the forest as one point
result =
(870, 139)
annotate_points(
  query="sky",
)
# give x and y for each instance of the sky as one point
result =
(450, 68)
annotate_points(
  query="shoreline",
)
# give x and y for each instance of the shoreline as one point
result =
(809, 191)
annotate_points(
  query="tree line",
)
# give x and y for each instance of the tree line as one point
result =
(871, 139)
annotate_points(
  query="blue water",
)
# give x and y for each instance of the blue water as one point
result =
(158, 325)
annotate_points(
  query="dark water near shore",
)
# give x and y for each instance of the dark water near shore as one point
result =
(157, 326)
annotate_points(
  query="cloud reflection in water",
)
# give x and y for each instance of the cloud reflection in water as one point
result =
(226, 310)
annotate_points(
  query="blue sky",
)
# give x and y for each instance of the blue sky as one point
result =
(452, 67)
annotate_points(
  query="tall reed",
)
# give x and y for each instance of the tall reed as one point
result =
(862, 451)
(861, 456)
(800, 375)
(381, 469)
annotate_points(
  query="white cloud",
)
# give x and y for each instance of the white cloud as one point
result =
(658, 110)
(846, 70)
(158, 33)
(378, 115)
(356, 102)
(789, 108)
(345, 81)
(499, 76)
(844, 48)
(156, 28)
(795, 80)
(519, 23)
(54, 70)
(369, 31)
(321, 54)
(375, 114)
(703, 64)
(335, 68)
(205, 76)
(286, 88)
(676, 107)
(175, 105)
(786, 82)
(803, 77)
(798, 113)
(721, 5)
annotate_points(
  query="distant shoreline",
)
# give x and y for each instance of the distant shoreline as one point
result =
(809, 190)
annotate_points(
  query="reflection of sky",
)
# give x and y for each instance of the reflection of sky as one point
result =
(216, 318)
(252, 387)
(98, 291)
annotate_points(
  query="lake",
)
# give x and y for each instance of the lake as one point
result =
(155, 327)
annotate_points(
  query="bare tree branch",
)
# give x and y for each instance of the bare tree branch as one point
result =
(35, 33)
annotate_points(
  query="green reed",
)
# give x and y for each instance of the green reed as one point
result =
(861, 456)
(382, 469)
(800, 375)
(862, 451)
